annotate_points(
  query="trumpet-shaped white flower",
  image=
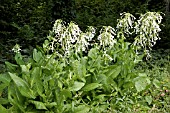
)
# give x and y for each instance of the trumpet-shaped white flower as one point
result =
(70, 38)
(106, 37)
(148, 28)
(126, 22)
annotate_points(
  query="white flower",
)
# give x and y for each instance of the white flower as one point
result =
(126, 23)
(106, 37)
(16, 48)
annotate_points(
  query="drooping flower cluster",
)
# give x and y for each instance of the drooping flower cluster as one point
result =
(125, 24)
(106, 37)
(70, 38)
(84, 40)
(147, 28)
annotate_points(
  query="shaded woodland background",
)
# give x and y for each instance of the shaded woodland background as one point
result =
(27, 22)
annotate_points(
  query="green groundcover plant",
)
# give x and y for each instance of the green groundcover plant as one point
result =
(79, 72)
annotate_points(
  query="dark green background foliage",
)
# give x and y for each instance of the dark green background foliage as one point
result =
(28, 18)
(27, 22)
(105, 12)
(64, 9)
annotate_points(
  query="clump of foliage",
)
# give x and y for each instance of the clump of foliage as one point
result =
(76, 72)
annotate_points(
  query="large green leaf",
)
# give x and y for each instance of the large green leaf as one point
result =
(80, 67)
(156, 83)
(37, 55)
(40, 88)
(113, 71)
(15, 97)
(82, 109)
(101, 79)
(140, 85)
(25, 68)
(11, 67)
(3, 101)
(66, 93)
(91, 86)
(148, 99)
(38, 105)
(141, 82)
(77, 86)
(3, 109)
(93, 53)
(18, 59)
(5, 78)
(22, 86)
(35, 75)
(36, 81)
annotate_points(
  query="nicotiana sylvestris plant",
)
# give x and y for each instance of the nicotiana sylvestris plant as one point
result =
(109, 56)
(76, 71)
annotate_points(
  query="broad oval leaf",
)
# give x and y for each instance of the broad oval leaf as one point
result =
(93, 53)
(11, 67)
(156, 83)
(5, 78)
(25, 68)
(77, 86)
(18, 58)
(141, 83)
(40, 88)
(15, 97)
(148, 99)
(91, 86)
(22, 86)
(39, 105)
(82, 109)
(66, 93)
(35, 75)
(37, 55)
(113, 71)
